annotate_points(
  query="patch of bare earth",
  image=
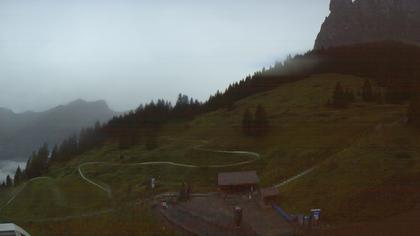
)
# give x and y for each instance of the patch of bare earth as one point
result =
(214, 215)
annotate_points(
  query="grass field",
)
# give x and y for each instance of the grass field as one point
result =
(358, 152)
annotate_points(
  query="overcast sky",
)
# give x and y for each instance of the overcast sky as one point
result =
(131, 51)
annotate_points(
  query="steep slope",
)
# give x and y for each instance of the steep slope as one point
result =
(362, 21)
(20, 134)
(351, 157)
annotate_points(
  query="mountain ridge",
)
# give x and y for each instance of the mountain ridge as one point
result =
(21, 133)
(79, 101)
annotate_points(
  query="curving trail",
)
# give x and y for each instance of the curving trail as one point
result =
(295, 177)
(17, 192)
(254, 157)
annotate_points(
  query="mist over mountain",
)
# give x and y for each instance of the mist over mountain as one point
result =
(364, 21)
(22, 133)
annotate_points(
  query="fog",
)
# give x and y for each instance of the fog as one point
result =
(129, 52)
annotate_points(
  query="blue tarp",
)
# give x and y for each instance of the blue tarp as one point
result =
(282, 213)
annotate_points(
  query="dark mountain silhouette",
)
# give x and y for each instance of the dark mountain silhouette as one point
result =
(22, 133)
(363, 21)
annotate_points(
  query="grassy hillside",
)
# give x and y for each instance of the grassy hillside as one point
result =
(376, 177)
(358, 153)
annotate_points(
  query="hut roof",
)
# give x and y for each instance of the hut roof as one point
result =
(238, 178)
(269, 192)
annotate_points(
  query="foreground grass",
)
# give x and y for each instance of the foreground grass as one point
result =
(376, 178)
(129, 220)
(49, 198)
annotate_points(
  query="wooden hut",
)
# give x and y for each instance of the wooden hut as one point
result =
(238, 182)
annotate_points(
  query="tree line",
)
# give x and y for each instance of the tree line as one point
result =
(342, 97)
(137, 127)
(391, 65)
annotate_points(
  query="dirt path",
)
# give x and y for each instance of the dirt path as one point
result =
(253, 158)
(18, 191)
(295, 177)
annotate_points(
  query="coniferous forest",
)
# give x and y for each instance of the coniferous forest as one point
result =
(398, 77)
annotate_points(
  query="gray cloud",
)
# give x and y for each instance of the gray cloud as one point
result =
(128, 52)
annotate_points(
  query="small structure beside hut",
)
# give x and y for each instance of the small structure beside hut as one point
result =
(269, 195)
(238, 182)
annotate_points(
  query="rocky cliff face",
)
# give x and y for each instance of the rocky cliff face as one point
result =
(362, 21)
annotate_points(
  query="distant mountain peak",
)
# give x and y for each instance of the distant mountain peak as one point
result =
(24, 132)
(77, 101)
(83, 103)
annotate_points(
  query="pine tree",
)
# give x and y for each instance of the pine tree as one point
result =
(29, 173)
(54, 155)
(43, 158)
(18, 176)
(37, 165)
(9, 181)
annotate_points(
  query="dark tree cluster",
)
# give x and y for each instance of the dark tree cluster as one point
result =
(10, 182)
(140, 126)
(255, 125)
(137, 127)
(368, 94)
(391, 65)
(36, 166)
(186, 108)
(342, 97)
(143, 125)
(260, 81)
(38, 163)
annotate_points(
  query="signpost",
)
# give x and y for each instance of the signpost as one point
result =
(316, 217)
